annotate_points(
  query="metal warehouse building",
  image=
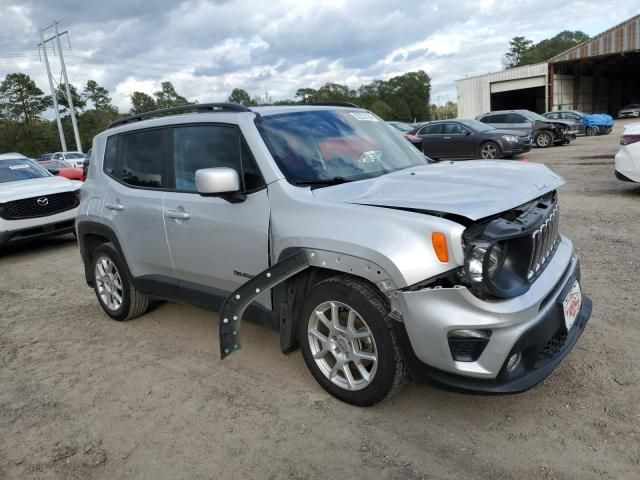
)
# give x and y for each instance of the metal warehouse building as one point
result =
(600, 75)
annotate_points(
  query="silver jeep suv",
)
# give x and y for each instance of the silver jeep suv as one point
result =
(324, 224)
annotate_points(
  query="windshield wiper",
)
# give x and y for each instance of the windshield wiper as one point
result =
(323, 181)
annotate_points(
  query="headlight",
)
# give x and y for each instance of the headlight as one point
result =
(479, 262)
(510, 138)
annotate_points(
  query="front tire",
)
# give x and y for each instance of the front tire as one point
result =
(543, 139)
(489, 151)
(348, 343)
(116, 294)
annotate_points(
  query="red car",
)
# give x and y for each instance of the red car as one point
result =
(64, 169)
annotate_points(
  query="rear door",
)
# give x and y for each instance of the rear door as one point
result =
(498, 120)
(214, 243)
(134, 164)
(432, 141)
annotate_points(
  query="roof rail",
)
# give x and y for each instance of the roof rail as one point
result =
(336, 104)
(196, 107)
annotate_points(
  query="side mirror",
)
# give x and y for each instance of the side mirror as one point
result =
(467, 132)
(53, 171)
(221, 182)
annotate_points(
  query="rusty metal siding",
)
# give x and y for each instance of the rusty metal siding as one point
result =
(624, 37)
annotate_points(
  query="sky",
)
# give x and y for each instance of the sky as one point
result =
(207, 48)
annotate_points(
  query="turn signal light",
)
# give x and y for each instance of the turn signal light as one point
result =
(439, 242)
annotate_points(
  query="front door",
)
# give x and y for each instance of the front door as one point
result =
(213, 242)
(458, 141)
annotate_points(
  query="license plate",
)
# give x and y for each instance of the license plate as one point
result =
(571, 305)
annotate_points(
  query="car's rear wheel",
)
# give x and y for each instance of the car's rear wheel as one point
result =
(591, 131)
(489, 150)
(543, 139)
(116, 294)
(348, 343)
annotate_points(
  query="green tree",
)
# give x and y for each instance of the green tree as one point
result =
(524, 52)
(517, 47)
(21, 99)
(167, 96)
(79, 103)
(305, 94)
(380, 108)
(97, 95)
(142, 103)
(238, 95)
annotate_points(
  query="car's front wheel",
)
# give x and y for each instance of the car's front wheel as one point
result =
(347, 341)
(543, 139)
(490, 151)
(116, 294)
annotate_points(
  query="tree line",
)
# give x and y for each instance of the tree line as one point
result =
(22, 105)
(523, 51)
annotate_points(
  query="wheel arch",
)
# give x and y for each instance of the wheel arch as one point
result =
(288, 296)
(90, 236)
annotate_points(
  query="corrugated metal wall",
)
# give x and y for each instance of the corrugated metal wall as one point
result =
(474, 93)
(624, 37)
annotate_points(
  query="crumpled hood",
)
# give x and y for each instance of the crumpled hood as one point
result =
(474, 189)
(36, 186)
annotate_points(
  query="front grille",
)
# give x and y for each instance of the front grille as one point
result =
(40, 206)
(544, 241)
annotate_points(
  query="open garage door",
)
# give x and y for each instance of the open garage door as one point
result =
(532, 98)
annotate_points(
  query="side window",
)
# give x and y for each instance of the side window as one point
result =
(454, 128)
(141, 159)
(58, 156)
(431, 129)
(499, 118)
(515, 118)
(553, 116)
(110, 158)
(208, 146)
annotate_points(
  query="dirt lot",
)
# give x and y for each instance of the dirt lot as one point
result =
(82, 396)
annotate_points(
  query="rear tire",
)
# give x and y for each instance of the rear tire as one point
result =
(348, 343)
(591, 131)
(543, 139)
(116, 294)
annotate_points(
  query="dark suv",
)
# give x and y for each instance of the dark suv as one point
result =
(544, 132)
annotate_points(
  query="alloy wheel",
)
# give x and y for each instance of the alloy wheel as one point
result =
(342, 345)
(489, 151)
(543, 140)
(108, 283)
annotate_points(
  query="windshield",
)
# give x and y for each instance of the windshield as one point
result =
(403, 127)
(20, 169)
(330, 144)
(73, 156)
(535, 116)
(477, 126)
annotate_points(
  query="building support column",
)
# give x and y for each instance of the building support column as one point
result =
(550, 74)
(577, 84)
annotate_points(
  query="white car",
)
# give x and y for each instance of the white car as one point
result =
(75, 158)
(33, 202)
(628, 157)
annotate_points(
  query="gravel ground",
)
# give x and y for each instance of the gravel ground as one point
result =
(85, 397)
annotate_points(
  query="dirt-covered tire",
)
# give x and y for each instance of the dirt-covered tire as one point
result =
(116, 294)
(358, 360)
(543, 139)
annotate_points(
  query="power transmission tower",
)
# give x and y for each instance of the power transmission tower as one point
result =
(53, 92)
(72, 111)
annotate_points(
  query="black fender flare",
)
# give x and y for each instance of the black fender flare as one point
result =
(84, 230)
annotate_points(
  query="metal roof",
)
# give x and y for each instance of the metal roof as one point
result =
(624, 37)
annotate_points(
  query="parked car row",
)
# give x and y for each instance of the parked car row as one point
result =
(74, 158)
(588, 124)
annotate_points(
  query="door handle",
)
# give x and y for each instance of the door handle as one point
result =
(178, 215)
(447, 138)
(114, 206)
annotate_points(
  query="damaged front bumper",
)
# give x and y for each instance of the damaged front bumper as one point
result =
(531, 325)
